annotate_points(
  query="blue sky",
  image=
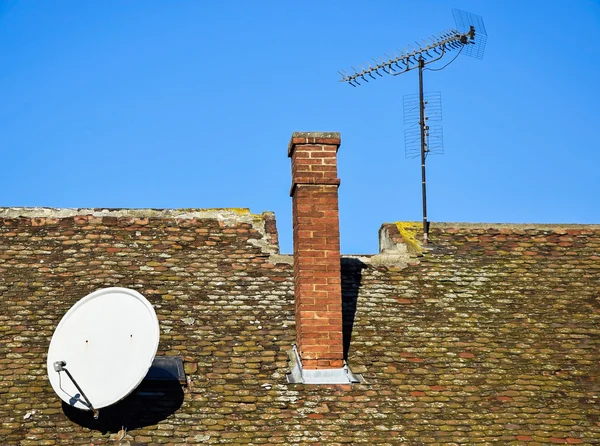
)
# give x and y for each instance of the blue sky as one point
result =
(191, 104)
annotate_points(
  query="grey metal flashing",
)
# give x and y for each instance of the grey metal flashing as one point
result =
(299, 375)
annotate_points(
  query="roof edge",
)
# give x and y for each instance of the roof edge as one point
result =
(264, 223)
(466, 225)
(32, 212)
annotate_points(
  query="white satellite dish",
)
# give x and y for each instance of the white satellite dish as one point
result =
(102, 348)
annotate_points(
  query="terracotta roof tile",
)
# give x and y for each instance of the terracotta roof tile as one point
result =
(492, 335)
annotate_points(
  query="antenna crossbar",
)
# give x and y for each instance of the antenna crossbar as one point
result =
(446, 41)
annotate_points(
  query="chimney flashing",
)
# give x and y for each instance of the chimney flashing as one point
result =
(300, 375)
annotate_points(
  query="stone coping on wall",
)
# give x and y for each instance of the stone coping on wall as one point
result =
(219, 213)
(515, 226)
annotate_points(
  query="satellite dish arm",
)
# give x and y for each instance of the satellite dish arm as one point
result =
(59, 366)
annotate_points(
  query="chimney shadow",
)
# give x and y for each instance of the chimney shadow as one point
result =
(146, 406)
(351, 281)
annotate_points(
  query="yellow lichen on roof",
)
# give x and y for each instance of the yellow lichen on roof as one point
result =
(408, 231)
(239, 211)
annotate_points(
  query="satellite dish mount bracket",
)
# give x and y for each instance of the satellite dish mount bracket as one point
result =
(60, 366)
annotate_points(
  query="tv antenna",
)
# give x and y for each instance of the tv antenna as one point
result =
(102, 348)
(469, 38)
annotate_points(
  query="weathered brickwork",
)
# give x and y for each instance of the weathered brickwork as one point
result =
(491, 336)
(317, 278)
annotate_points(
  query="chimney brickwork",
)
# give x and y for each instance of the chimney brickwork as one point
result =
(317, 277)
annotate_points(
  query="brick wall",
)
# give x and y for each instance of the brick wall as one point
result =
(316, 249)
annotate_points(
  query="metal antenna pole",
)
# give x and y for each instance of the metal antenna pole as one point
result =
(423, 125)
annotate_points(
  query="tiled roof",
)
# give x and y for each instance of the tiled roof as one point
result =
(491, 335)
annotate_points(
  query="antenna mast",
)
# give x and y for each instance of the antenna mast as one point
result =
(469, 37)
(422, 125)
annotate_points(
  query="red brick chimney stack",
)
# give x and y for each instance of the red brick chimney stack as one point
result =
(317, 278)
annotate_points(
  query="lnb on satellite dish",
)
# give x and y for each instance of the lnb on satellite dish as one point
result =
(103, 348)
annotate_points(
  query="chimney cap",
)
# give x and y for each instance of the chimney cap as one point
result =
(332, 138)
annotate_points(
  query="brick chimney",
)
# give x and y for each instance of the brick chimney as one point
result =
(317, 278)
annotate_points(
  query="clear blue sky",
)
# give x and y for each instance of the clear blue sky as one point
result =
(191, 104)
